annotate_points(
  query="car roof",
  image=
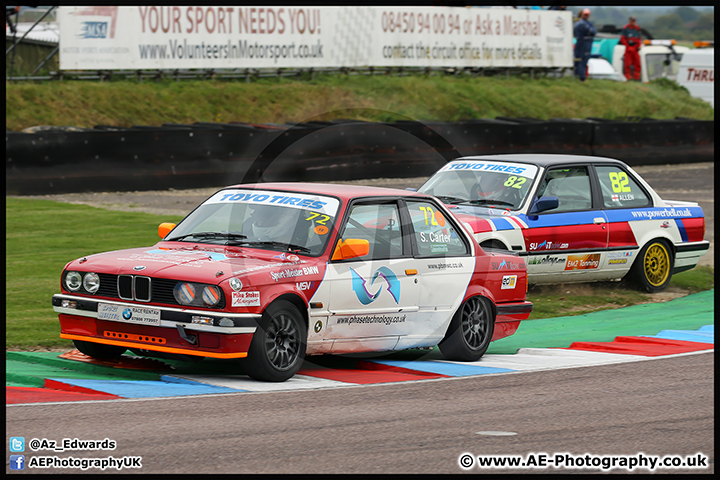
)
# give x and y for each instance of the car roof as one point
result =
(343, 191)
(541, 159)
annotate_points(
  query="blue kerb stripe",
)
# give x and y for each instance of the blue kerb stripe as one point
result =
(681, 228)
(148, 388)
(704, 334)
(444, 368)
(502, 224)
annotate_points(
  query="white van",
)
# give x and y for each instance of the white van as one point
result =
(658, 59)
(697, 72)
(599, 68)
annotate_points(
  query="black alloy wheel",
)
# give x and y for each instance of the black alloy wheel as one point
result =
(470, 331)
(277, 349)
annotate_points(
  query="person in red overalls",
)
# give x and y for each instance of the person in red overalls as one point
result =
(630, 37)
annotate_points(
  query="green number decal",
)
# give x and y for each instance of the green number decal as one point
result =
(619, 182)
(515, 182)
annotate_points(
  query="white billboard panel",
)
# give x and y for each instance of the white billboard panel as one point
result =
(226, 37)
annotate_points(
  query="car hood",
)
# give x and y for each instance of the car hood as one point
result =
(481, 219)
(192, 262)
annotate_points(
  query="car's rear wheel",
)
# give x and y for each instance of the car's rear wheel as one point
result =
(278, 346)
(99, 350)
(653, 268)
(470, 331)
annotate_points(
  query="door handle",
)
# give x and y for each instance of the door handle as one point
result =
(410, 271)
(598, 220)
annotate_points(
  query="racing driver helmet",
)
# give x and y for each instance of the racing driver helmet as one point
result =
(273, 223)
(489, 185)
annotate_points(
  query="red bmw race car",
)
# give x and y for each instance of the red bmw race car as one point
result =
(269, 273)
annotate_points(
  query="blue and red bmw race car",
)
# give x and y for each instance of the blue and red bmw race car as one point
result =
(573, 218)
(268, 273)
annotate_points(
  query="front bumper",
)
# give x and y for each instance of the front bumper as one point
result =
(170, 330)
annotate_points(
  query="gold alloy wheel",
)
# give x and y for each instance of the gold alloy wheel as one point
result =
(657, 264)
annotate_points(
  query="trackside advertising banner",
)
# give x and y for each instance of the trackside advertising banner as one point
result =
(168, 37)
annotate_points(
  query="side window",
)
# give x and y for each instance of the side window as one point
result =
(619, 190)
(434, 234)
(379, 224)
(571, 186)
(660, 66)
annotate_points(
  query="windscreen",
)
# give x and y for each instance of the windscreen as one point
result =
(285, 221)
(493, 184)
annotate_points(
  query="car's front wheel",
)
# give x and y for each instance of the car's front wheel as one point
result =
(99, 350)
(277, 349)
(470, 331)
(653, 268)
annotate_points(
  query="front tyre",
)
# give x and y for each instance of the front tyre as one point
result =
(99, 351)
(470, 331)
(653, 268)
(278, 346)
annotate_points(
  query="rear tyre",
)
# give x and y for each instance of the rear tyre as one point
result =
(653, 268)
(98, 350)
(470, 331)
(277, 349)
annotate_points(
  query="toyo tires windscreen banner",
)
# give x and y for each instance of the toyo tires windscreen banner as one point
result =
(171, 37)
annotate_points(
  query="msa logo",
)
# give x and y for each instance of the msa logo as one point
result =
(94, 30)
(508, 282)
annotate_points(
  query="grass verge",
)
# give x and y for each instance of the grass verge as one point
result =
(378, 98)
(41, 237)
(551, 301)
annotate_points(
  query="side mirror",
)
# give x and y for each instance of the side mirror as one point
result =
(542, 204)
(351, 248)
(165, 228)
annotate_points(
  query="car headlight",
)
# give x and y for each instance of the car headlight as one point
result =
(73, 281)
(211, 295)
(197, 294)
(184, 293)
(91, 282)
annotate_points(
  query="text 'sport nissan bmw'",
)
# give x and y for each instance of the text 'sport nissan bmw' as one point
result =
(573, 218)
(268, 273)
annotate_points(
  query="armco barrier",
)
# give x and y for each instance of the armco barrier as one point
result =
(209, 154)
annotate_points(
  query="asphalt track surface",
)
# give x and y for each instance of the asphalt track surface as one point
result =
(655, 407)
